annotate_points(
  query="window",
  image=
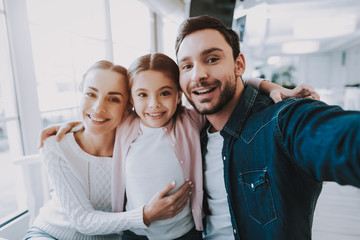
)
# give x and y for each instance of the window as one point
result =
(169, 36)
(130, 32)
(10, 140)
(63, 49)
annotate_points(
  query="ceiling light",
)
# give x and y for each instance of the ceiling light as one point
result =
(300, 47)
(324, 26)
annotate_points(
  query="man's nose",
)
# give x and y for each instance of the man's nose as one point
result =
(199, 73)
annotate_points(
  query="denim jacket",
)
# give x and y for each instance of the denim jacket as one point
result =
(276, 157)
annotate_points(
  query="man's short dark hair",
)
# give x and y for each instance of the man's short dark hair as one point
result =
(202, 22)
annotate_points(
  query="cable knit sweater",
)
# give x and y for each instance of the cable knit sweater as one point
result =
(80, 207)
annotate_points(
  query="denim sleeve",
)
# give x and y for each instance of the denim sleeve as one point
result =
(322, 140)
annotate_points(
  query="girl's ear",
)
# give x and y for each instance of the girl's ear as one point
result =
(179, 97)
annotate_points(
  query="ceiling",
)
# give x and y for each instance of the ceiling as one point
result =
(269, 24)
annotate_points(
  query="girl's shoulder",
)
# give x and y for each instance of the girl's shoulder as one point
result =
(192, 115)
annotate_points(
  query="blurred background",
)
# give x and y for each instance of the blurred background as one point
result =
(46, 46)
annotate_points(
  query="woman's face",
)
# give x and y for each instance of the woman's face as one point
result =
(104, 100)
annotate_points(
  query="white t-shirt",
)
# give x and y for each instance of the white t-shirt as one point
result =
(218, 223)
(150, 166)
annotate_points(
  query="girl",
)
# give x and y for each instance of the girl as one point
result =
(80, 165)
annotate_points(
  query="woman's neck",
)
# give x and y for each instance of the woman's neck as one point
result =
(101, 145)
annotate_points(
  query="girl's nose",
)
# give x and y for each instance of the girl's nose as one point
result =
(154, 103)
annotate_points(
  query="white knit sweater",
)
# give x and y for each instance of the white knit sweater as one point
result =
(81, 202)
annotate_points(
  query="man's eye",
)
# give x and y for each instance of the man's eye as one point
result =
(212, 60)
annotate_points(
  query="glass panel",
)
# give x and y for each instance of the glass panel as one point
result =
(169, 36)
(81, 17)
(59, 116)
(67, 39)
(130, 32)
(10, 142)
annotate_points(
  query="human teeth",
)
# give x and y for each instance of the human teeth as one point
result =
(203, 91)
(97, 119)
(154, 114)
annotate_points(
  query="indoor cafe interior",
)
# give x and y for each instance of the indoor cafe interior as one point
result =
(47, 45)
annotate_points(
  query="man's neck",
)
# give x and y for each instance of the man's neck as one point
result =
(220, 118)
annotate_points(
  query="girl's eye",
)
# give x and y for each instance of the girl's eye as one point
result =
(142, 95)
(165, 93)
(212, 60)
(186, 66)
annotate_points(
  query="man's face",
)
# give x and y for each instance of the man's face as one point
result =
(208, 72)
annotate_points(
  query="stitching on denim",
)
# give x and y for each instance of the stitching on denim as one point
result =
(290, 101)
(248, 109)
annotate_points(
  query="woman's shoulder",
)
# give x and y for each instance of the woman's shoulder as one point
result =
(52, 145)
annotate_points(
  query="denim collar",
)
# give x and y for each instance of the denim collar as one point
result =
(239, 116)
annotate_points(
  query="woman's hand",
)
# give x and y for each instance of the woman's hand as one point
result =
(59, 130)
(162, 206)
(279, 93)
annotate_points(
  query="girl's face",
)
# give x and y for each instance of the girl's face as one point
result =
(155, 98)
(104, 100)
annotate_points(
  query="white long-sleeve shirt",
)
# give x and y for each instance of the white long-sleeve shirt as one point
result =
(80, 207)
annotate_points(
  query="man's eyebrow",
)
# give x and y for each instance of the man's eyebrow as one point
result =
(210, 50)
(203, 53)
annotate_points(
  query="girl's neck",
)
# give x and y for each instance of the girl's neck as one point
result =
(101, 145)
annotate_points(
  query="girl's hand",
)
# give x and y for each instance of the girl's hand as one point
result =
(162, 206)
(59, 130)
(279, 93)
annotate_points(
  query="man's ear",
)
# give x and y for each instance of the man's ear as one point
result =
(240, 65)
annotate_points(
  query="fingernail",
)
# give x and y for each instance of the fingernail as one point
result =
(173, 183)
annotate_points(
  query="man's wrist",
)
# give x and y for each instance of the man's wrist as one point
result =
(146, 219)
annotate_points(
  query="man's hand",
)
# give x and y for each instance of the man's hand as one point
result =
(59, 130)
(162, 206)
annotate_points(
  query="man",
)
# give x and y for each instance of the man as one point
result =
(264, 163)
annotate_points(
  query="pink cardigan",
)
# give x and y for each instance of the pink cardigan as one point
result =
(183, 133)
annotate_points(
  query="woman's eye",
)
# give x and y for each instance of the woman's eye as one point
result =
(90, 94)
(142, 95)
(114, 99)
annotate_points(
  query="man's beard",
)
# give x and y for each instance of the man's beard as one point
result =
(226, 95)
